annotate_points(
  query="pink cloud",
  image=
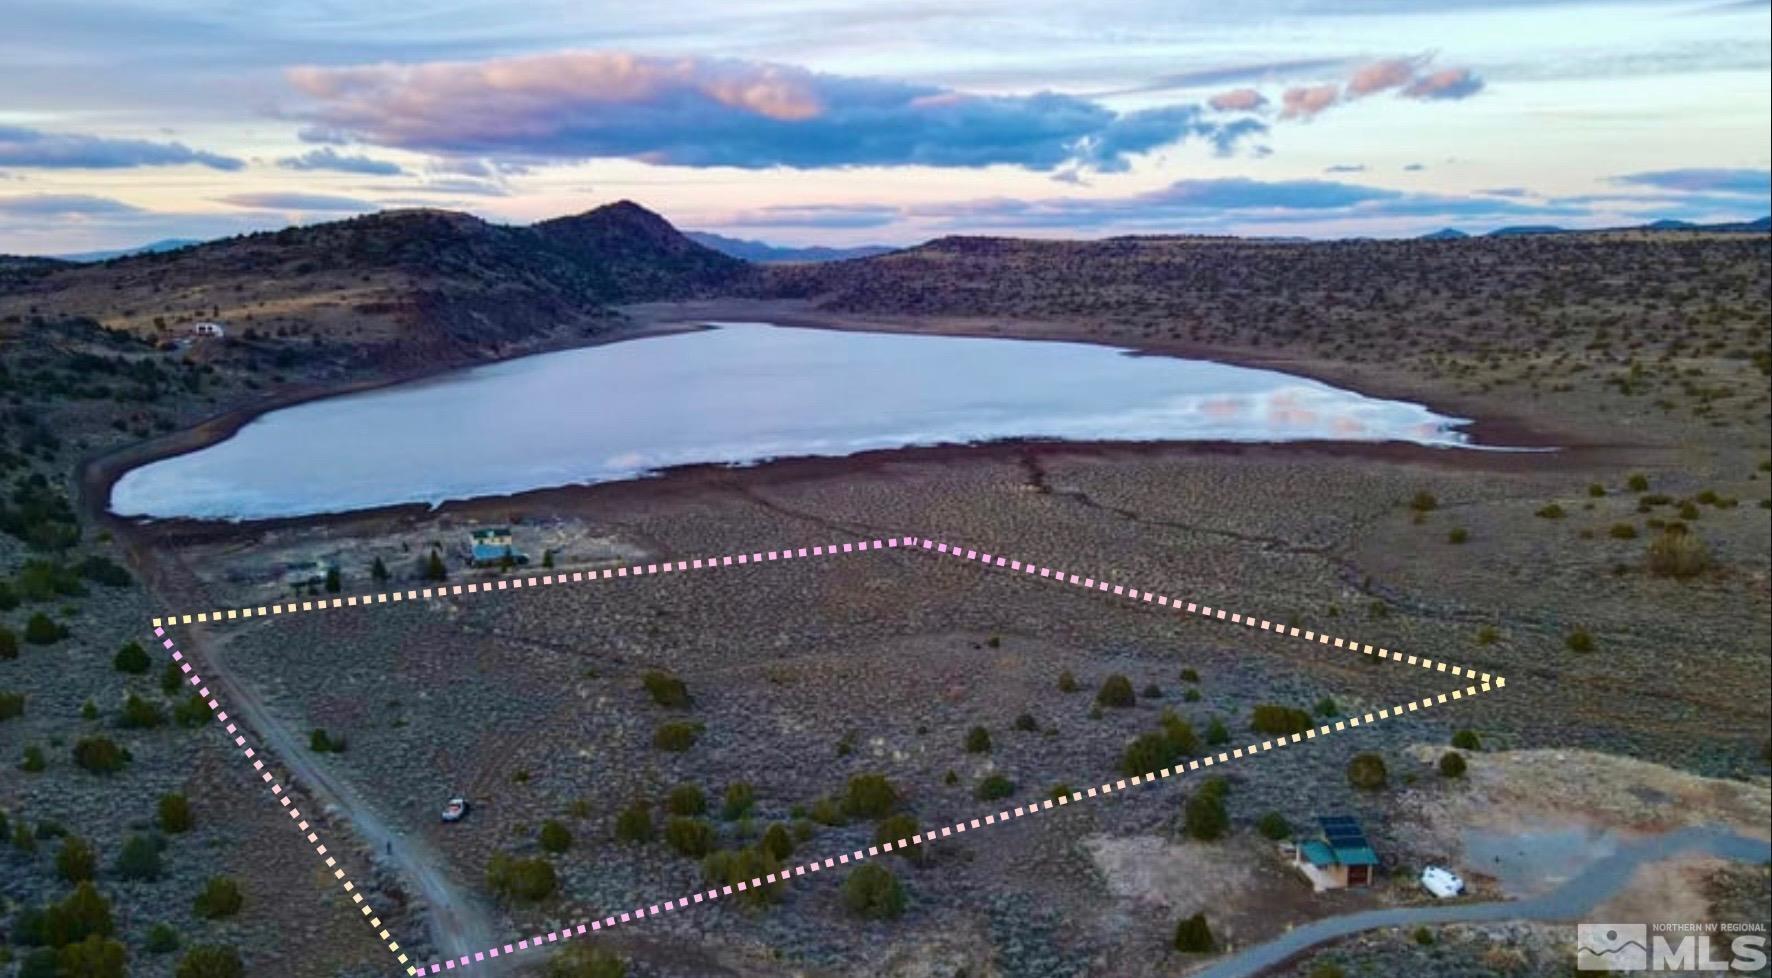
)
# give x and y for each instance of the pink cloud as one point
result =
(1377, 76)
(1447, 83)
(1238, 100)
(1306, 101)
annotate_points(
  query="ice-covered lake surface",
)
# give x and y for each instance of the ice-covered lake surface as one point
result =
(736, 394)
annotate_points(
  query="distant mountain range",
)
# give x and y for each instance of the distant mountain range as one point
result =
(152, 247)
(1760, 226)
(763, 252)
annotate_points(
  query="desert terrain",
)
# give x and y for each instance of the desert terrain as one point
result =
(1620, 583)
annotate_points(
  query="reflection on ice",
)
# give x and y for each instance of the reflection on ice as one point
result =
(738, 394)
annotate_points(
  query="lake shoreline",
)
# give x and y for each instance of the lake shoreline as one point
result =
(99, 476)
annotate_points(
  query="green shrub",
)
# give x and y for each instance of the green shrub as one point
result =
(1147, 753)
(978, 740)
(1280, 721)
(94, 957)
(779, 842)
(1192, 936)
(583, 960)
(993, 787)
(1273, 826)
(140, 714)
(1326, 707)
(1060, 790)
(173, 813)
(554, 837)
(871, 891)
(1025, 722)
(40, 630)
(1190, 676)
(1466, 740)
(692, 837)
(1204, 816)
(320, 742)
(1423, 502)
(515, 879)
(1366, 771)
(1638, 483)
(162, 939)
(220, 898)
(869, 796)
(1579, 641)
(140, 858)
(1487, 635)
(731, 867)
(1216, 734)
(132, 659)
(1678, 555)
(12, 705)
(8, 643)
(634, 824)
(740, 799)
(33, 761)
(81, 914)
(1116, 691)
(1551, 512)
(686, 800)
(894, 828)
(1623, 531)
(676, 737)
(1423, 936)
(1457, 534)
(42, 962)
(829, 811)
(1452, 764)
(210, 961)
(171, 678)
(100, 755)
(193, 711)
(1067, 683)
(75, 860)
(1596, 490)
(667, 690)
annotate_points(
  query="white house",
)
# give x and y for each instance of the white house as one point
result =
(209, 328)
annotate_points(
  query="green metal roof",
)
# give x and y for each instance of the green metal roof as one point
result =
(1321, 854)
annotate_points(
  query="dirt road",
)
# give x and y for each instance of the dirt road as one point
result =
(1569, 902)
(457, 921)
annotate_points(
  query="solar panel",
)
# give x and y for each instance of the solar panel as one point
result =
(1342, 831)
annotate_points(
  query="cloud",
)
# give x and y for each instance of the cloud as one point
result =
(818, 216)
(1741, 182)
(1447, 83)
(1346, 168)
(1258, 71)
(704, 112)
(1307, 101)
(285, 201)
(1229, 203)
(63, 206)
(327, 158)
(20, 146)
(1238, 100)
(1414, 167)
(1378, 76)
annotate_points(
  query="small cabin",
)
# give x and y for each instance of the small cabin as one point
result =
(1339, 858)
(492, 545)
(209, 328)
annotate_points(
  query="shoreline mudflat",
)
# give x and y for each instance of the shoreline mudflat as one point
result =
(98, 476)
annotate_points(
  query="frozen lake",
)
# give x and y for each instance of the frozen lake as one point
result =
(737, 394)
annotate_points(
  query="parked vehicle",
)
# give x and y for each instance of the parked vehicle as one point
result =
(455, 809)
(1441, 882)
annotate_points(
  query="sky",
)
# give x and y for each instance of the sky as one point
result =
(845, 122)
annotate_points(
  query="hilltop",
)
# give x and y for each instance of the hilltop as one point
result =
(400, 287)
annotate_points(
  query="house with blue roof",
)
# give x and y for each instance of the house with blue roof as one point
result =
(1341, 857)
(491, 546)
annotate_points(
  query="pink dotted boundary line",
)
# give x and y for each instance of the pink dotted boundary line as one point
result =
(270, 780)
(1480, 682)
